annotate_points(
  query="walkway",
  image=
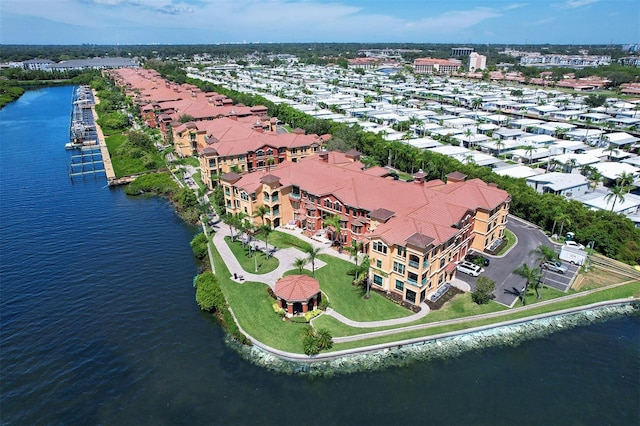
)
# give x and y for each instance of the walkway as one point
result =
(286, 257)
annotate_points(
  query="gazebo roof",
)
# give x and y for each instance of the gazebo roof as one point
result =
(297, 288)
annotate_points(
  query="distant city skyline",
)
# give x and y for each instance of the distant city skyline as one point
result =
(374, 21)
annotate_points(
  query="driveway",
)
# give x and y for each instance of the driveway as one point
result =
(501, 268)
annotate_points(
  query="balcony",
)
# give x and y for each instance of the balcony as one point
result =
(412, 282)
(295, 196)
(414, 264)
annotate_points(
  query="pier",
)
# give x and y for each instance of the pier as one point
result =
(91, 155)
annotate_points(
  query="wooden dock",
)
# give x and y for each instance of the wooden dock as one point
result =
(106, 158)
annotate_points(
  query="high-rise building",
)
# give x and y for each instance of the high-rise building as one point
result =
(477, 62)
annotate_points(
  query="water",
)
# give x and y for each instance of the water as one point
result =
(99, 325)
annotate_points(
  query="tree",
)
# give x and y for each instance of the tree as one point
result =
(625, 179)
(617, 193)
(484, 290)
(313, 252)
(266, 230)
(325, 339)
(595, 177)
(544, 254)
(261, 212)
(499, 143)
(299, 263)
(354, 250)
(232, 221)
(530, 149)
(335, 222)
(594, 101)
(531, 275)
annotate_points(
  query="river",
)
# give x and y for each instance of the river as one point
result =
(99, 324)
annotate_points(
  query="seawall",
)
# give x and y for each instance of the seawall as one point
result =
(446, 345)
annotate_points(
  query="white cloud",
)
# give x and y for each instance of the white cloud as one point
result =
(572, 4)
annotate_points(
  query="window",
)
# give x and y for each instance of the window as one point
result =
(411, 296)
(379, 247)
(412, 278)
(442, 262)
(398, 267)
(377, 280)
(378, 263)
(269, 151)
(402, 251)
(414, 261)
(399, 285)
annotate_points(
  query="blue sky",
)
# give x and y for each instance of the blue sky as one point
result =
(221, 21)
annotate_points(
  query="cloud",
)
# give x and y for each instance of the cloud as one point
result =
(572, 4)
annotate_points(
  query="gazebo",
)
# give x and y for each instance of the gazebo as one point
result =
(297, 293)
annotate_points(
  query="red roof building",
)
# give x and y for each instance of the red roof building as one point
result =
(297, 293)
(412, 231)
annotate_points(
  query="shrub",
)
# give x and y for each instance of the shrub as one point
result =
(312, 314)
(278, 310)
(484, 290)
(199, 246)
(209, 295)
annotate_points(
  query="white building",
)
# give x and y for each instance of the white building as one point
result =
(477, 62)
(566, 184)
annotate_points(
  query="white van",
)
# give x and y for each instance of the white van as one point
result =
(469, 268)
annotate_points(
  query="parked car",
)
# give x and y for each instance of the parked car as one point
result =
(469, 268)
(555, 267)
(574, 244)
(477, 259)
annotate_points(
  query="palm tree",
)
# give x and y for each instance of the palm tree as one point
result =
(354, 249)
(299, 263)
(530, 150)
(475, 104)
(617, 193)
(324, 339)
(335, 222)
(531, 276)
(313, 252)
(612, 150)
(499, 143)
(565, 219)
(261, 212)
(232, 221)
(594, 178)
(266, 230)
(625, 179)
(544, 254)
(569, 165)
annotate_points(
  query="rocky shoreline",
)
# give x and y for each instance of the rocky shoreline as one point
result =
(437, 348)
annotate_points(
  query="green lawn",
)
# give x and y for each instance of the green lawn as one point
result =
(283, 240)
(253, 309)
(348, 299)
(249, 263)
(511, 240)
(628, 290)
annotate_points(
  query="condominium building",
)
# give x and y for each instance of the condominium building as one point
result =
(413, 232)
(477, 62)
(435, 66)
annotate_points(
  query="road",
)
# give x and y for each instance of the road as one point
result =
(501, 269)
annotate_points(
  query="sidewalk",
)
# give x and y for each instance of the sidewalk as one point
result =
(286, 257)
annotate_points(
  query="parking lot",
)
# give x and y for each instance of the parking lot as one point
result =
(500, 270)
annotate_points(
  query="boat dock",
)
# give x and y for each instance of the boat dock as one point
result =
(90, 156)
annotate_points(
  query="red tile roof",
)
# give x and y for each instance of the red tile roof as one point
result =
(297, 288)
(432, 209)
